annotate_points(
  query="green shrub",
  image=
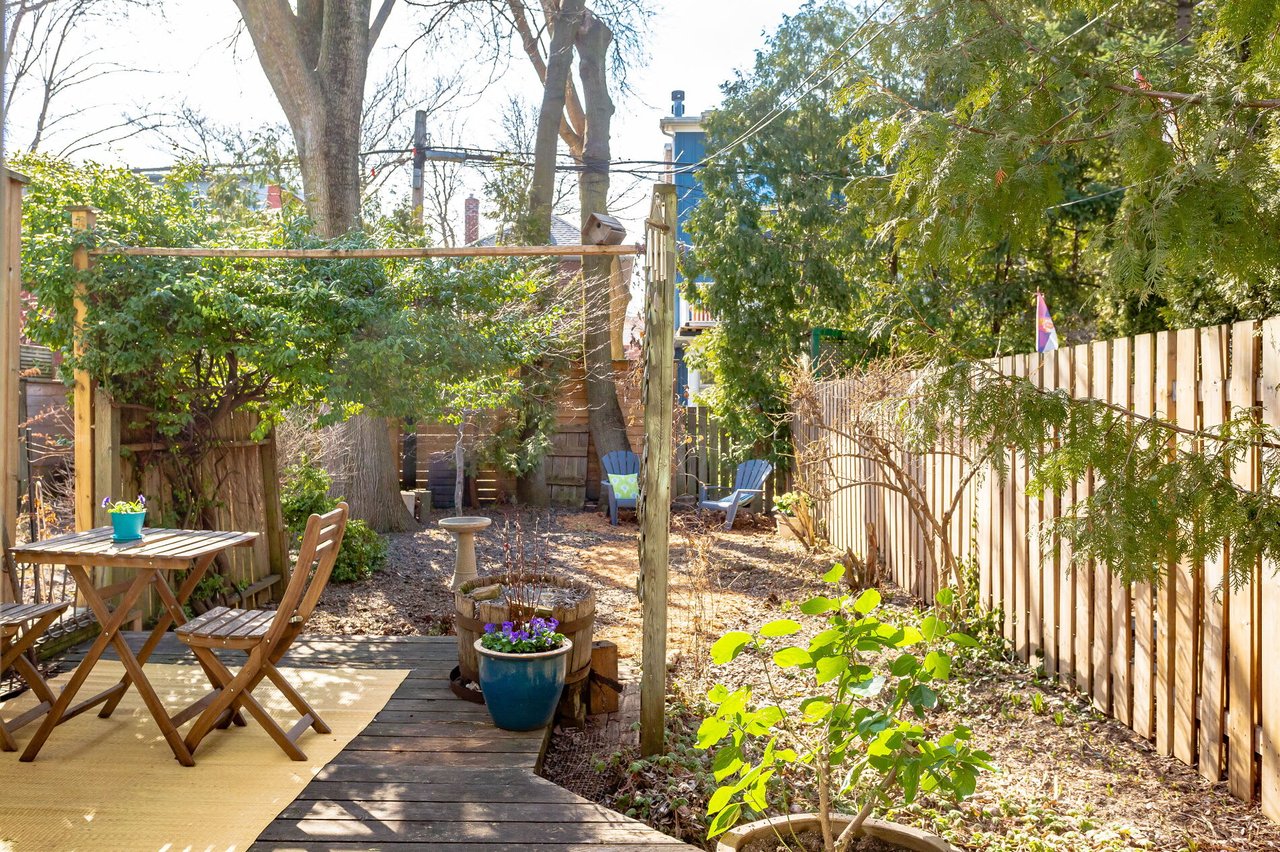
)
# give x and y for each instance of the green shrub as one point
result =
(304, 492)
(363, 552)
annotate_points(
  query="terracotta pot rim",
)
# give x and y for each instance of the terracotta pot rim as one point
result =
(541, 655)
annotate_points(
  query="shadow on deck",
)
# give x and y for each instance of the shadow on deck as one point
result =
(431, 771)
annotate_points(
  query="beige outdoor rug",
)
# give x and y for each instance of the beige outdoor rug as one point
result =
(113, 784)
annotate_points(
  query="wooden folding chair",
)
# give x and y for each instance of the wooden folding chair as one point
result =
(265, 636)
(21, 624)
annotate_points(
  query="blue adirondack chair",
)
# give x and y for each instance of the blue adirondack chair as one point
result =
(617, 462)
(748, 483)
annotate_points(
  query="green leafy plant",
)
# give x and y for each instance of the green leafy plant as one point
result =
(305, 492)
(363, 551)
(861, 728)
(209, 587)
(124, 507)
(796, 511)
(509, 637)
(188, 342)
(788, 502)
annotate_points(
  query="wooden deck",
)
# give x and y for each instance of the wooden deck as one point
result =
(431, 771)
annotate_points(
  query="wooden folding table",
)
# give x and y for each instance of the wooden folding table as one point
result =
(159, 552)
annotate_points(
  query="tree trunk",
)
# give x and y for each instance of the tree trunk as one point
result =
(373, 490)
(604, 413)
(317, 61)
(532, 488)
(459, 466)
(1185, 10)
(564, 30)
(535, 229)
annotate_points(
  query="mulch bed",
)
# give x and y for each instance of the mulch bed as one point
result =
(1070, 779)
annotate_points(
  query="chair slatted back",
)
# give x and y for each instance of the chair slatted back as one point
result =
(750, 476)
(316, 556)
(620, 462)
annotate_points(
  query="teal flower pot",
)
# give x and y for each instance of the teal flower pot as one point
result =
(127, 526)
(521, 690)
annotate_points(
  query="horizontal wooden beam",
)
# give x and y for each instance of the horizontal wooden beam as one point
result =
(347, 254)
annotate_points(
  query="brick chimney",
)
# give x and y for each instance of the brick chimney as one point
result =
(471, 229)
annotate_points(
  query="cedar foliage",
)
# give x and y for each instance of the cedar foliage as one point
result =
(928, 172)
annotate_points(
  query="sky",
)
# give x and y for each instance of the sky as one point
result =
(187, 53)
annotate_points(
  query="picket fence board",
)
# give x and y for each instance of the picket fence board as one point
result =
(1269, 644)
(1164, 592)
(1066, 570)
(1049, 560)
(1121, 394)
(1082, 364)
(1144, 718)
(1019, 494)
(1213, 699)
(1241, 766)
(1100, 374)
(1185, 597)
(1035, 553)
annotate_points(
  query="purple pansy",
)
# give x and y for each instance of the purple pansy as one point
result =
(531, 637)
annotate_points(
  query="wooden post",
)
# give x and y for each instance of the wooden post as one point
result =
(105, 473)
(603, 698)
(655, 492)
(10, 327)
(82, 219)
(106, 455)
(273, 515)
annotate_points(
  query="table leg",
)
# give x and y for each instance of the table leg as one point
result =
(172, 615)
(111, 623)
(173, 606)
(152, 701)
(133, 668)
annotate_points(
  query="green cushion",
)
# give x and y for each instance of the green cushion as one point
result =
(626, 486)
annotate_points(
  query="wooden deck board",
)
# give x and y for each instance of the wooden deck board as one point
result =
(431, 771)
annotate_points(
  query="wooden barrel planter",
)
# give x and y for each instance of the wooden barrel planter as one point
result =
(569, 602)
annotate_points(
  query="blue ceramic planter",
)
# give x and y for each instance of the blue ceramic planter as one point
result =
(522, 690)
(127, 526)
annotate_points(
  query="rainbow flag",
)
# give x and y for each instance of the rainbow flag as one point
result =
(1046, 334)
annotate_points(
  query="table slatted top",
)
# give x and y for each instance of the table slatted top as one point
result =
(158, 548)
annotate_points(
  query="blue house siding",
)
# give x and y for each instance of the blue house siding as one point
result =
(688, 148)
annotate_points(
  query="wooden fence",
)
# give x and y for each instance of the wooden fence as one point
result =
(704, 456)
(245, 484)
(1190, 665)
(573, 465)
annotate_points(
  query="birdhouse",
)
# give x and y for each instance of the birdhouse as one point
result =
(602, 230)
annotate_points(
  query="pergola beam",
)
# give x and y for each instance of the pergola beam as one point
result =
(372, 253)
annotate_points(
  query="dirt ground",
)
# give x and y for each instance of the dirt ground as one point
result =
(1068, 778)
